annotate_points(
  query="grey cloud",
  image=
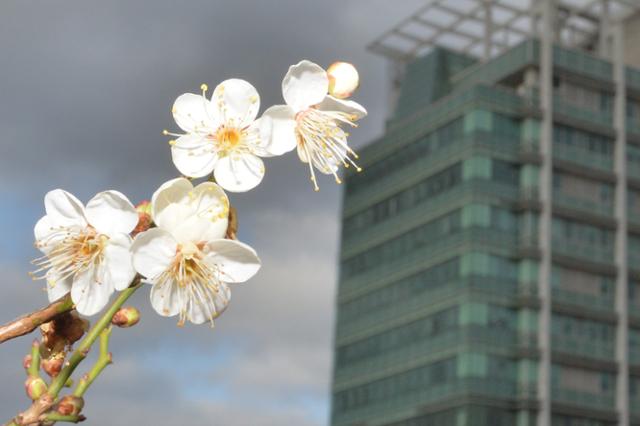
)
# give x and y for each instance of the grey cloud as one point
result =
(86, 88)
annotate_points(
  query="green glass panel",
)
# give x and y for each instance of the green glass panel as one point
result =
(473, 365)
(527, 321)
(478, 120)
(530, 130)
(473, 313)
(476, 167)
(476, 214)
(528, 271)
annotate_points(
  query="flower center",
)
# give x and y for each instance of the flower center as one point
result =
(189, 250)
(72, 252)
(227, 138)
(188, 266)
(197, 279)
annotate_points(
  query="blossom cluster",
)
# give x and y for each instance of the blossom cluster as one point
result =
(180, 242)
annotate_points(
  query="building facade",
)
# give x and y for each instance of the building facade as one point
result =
(490, 258)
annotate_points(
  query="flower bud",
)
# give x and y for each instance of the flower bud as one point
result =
(53, 364)
(144, 207)
(126, 317)
(70, 405)
(343, 79)
(144, 217)
(35, 387)
(26, 362)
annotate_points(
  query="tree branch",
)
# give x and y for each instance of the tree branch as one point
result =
(37, 412)
(33, 369)
(27, 323)
(103, 360)
(56, 417)
(83, 348)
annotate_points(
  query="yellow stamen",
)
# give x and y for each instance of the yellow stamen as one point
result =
(324, 142)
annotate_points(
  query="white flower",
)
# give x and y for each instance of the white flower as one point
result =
(311, 121)
(86, 250)
(222, 135)
(186, 258)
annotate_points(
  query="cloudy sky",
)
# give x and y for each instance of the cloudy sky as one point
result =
(85, 91)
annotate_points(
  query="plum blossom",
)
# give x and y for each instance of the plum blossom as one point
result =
(86, 249)
(311, 121)
(222, 136)
(186, 258)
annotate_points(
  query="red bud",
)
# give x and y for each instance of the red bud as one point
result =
(35, 387)
(26, 362)
(126, 317)
(70, 405)
(53, 364)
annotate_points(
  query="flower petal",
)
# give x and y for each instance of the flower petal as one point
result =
(236, 261)
(47, 235)
(305, 84)
(43, 228)
(209, 307)
(167, 298)
(153, 251)
(111, 212)
(196, 229)
(174, 216)
(239, 172)
(211, 203)
(173, 191)
(57, 288)
(278, 130)
(118, 265)
(329, 103)
(237, 102)
(88, 294)
(193, 155)
(64, 209)
(194, 113)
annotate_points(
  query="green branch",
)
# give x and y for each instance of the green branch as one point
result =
(34, 365)
(41, 408)
(57, 417)
(83, 348)
(104, 359)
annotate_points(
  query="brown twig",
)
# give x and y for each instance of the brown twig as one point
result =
(29, 322)
(232, 227)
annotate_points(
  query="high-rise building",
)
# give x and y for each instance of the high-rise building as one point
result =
(490, 260)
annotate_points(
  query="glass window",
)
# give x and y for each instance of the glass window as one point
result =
(419, 149)
(400, 291)
(404, 200)
(569, 231)
(411, 381)
(583, 140)
(449, 224)
(399, 337)
(578, 189)
(503, 171)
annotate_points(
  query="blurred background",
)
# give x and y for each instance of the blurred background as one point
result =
(86, 89)
(487, 254)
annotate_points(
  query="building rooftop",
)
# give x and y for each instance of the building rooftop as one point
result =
(486, 28)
